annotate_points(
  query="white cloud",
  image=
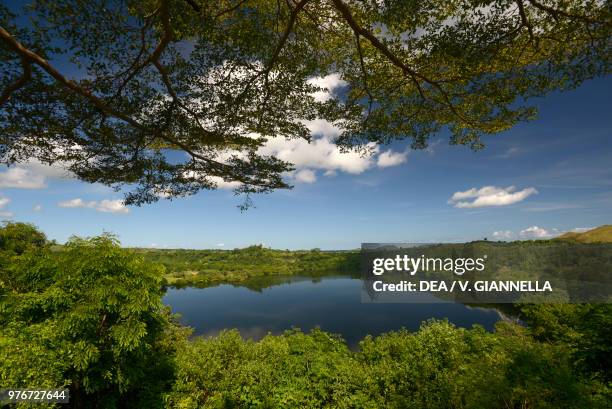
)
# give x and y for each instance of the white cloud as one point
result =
(3, 202)
(305, 176)
(581, 229)
(222, 184)
(112, 206)
(503, 235)
(391, 158)
(535, 232)
(490, 196)
(31, 175)
(104, 206)
(76, 203)
(321, 127)
(37, 208)
(329, 83)
(217, 180)
(20, 178)
(320, 153)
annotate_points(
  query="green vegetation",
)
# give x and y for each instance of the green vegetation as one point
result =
(90, 318)
(601, 234)
(439, 366)
(204, 267)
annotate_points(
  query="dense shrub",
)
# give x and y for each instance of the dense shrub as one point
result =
(439, 366)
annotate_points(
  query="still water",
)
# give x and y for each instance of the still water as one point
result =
(331, 303)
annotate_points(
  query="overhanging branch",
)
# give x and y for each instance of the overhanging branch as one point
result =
(20, 82)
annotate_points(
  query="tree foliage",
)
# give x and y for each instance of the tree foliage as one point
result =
(18, 237)
(112, 90)
(89, 318)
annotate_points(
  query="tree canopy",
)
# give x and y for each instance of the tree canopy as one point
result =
(88, 317)
(170, 97)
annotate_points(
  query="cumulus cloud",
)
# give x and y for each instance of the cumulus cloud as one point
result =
(31, 175)
(535, 232)
(320, 153)
(3, 202)
(112, 206)
(20, 178)
(329, 83)
(104, 206)
(391, 158)
(305, 176)
(490, 196)
(503, 235)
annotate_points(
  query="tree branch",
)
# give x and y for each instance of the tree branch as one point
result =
(20, 82)
(525, 21)
(161, 46)
(34, 58)
(279, 47)
(194, 5)
(557, 12)
(414, 75)
(346, 14)
(365, 76)
(230, 9)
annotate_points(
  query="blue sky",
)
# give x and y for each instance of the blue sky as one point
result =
(564, 155)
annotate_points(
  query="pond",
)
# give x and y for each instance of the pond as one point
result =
(331, 303)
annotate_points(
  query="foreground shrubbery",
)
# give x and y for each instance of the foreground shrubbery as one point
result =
(90, 318)
(440, 366)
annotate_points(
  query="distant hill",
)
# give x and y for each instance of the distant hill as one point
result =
(601, 234)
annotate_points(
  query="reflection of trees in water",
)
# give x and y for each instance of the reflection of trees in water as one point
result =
(260, 283)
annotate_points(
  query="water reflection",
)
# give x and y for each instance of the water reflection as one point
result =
(275, 304)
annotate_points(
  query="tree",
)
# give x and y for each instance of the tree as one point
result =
(174, 96)
(88, 317)
(18, 237)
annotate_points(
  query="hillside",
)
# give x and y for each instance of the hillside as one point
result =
(601, 234)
